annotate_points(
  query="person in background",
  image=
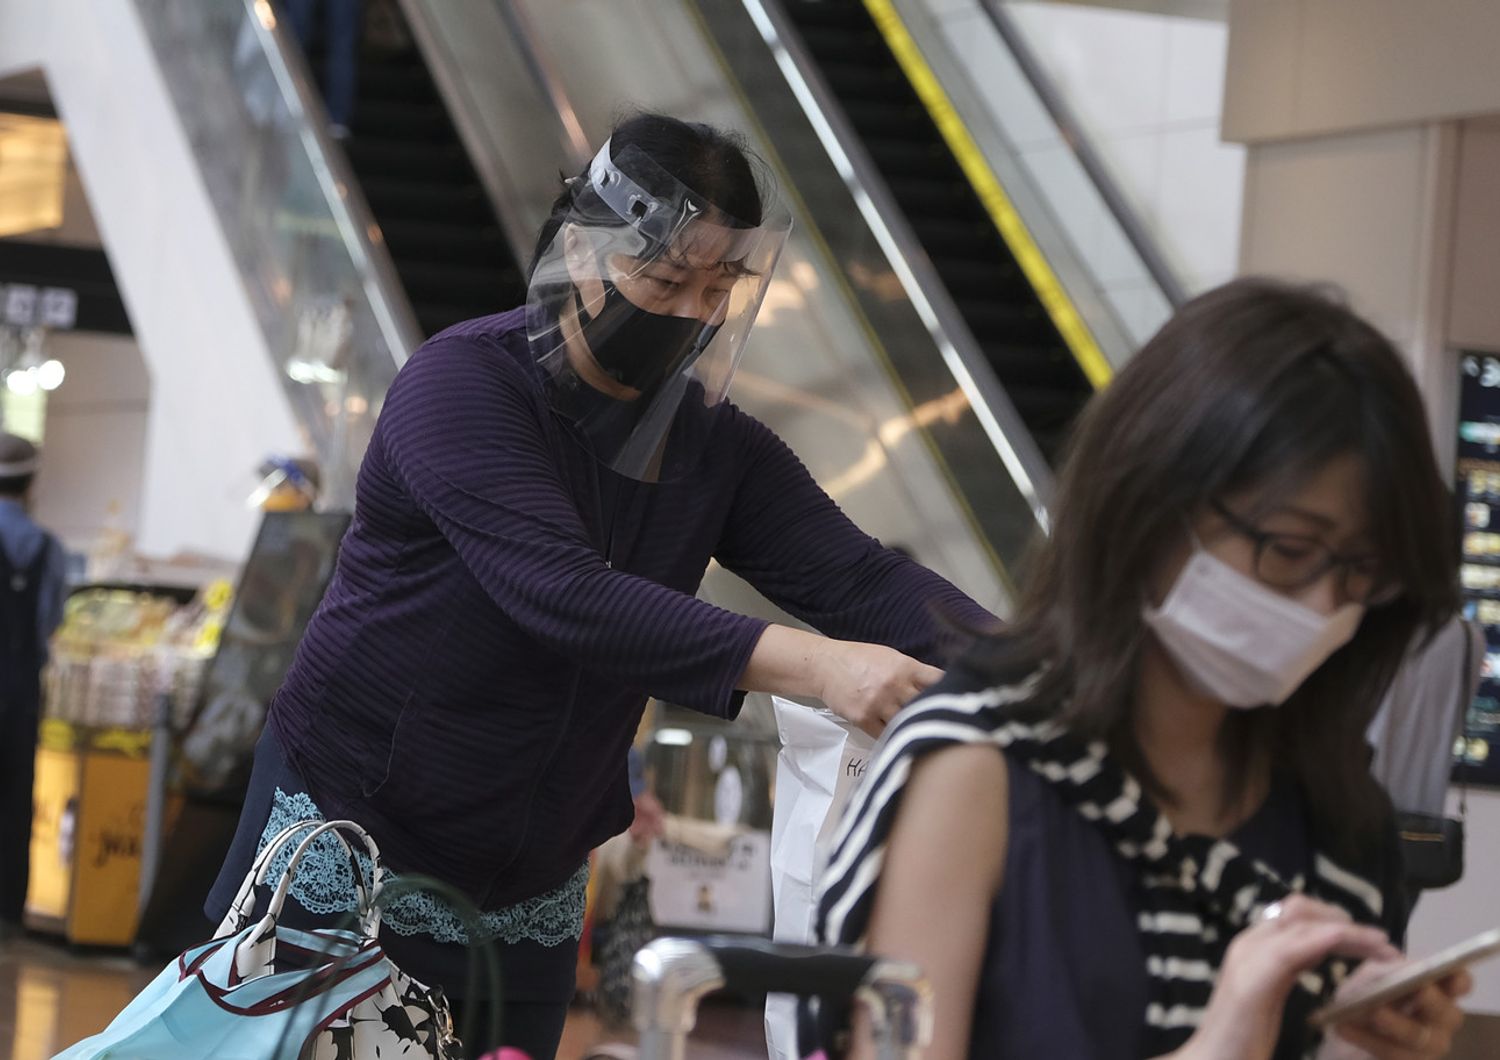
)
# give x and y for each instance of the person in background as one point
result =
(1422, 716)
(343, 27)
(1185, 845)
(1414, 736)
(32, 577)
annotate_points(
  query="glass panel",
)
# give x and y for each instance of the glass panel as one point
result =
(323, 289)
(997, 94)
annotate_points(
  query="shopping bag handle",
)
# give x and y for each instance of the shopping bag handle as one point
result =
(257, 950)
(239, 914)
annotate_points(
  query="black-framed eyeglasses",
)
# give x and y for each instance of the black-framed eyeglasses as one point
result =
(1292, 562)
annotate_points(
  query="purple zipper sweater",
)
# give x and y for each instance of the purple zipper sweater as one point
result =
(470, 685)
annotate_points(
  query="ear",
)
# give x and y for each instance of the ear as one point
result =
(582, 260)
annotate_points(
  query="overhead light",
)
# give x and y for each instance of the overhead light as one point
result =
(33, 173)
(50, 374)
(22, 383)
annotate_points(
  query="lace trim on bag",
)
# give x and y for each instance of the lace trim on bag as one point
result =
(324, 886)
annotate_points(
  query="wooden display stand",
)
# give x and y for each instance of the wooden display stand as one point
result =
(88, 832)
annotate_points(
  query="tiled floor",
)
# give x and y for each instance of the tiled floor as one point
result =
(50, 998)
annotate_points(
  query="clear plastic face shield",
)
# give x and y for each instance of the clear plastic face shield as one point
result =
(639, 310)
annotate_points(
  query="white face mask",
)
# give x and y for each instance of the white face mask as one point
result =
(1238, 640)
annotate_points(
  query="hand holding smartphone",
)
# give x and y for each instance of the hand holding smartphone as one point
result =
(1407, 980)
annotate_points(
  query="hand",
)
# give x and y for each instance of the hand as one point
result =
(650, 818)
(1263, 962)
(1419, 1027)
(867, 684)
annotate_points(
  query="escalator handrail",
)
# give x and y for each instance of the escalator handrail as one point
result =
(931, 299)
(358, 230)
(1079, 143)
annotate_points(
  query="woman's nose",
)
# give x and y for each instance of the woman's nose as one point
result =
(1326, 595)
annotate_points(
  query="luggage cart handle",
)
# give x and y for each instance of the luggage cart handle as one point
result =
(672, 975)
(754, 966)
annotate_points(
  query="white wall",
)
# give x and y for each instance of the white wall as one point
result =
(95, 446)
(216, 404)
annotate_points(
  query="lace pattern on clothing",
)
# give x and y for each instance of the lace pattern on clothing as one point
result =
(324, 886)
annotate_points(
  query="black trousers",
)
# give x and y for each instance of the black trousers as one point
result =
(534, 1027)
(18, 734)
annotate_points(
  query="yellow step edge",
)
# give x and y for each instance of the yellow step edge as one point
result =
(1065, 316)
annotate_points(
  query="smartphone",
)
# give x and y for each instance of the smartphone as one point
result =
(1408, 979)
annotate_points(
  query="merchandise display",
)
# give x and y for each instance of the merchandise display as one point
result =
(122, 655)
(118, 649)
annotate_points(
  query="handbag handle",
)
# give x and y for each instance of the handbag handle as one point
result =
(240, 910)
(257, 950)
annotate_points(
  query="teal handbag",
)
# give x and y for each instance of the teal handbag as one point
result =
(259, 991)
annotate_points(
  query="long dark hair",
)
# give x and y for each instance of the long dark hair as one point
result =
(1252, 387)
(711, 162)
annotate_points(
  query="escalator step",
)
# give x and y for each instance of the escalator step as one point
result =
(383, 81)
(399, 159)
(970, 279)
(839, 44)
(940, 193)
(1045, 407)
(867, 82)
(433, 317)
(452, 244)
(407, 200)
(826, 14)
(899, 157)
(959, 239)
(1007, 321)
(403, 120)
(873, 117)
(466, 284)
(1033, 365)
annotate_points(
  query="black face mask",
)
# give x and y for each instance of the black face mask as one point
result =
(636, 348)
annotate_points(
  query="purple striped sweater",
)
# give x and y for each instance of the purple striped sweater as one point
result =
(472, 681)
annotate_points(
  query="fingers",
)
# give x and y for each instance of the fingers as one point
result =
(1420, 1027)
(1388, 1035)
(1381, 1048)
(924, 676)
(1457, 985)
(1299, 907)
(1434, 1006)
(1309, 944)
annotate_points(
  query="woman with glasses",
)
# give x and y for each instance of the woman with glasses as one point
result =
(1184, 852)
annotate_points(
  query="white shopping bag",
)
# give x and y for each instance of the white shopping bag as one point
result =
(823, 757)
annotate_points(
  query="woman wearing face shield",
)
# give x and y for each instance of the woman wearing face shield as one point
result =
(538, 505)
(1184, 851)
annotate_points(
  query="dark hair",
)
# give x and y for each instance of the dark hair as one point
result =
(17, 453)
(713, 163)
(1252, 387)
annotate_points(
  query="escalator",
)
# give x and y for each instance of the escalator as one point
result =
(1019, 341)
(447, 245)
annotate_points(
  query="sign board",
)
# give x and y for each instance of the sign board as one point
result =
(729, 891)
(26, 305)
(1478, 492)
